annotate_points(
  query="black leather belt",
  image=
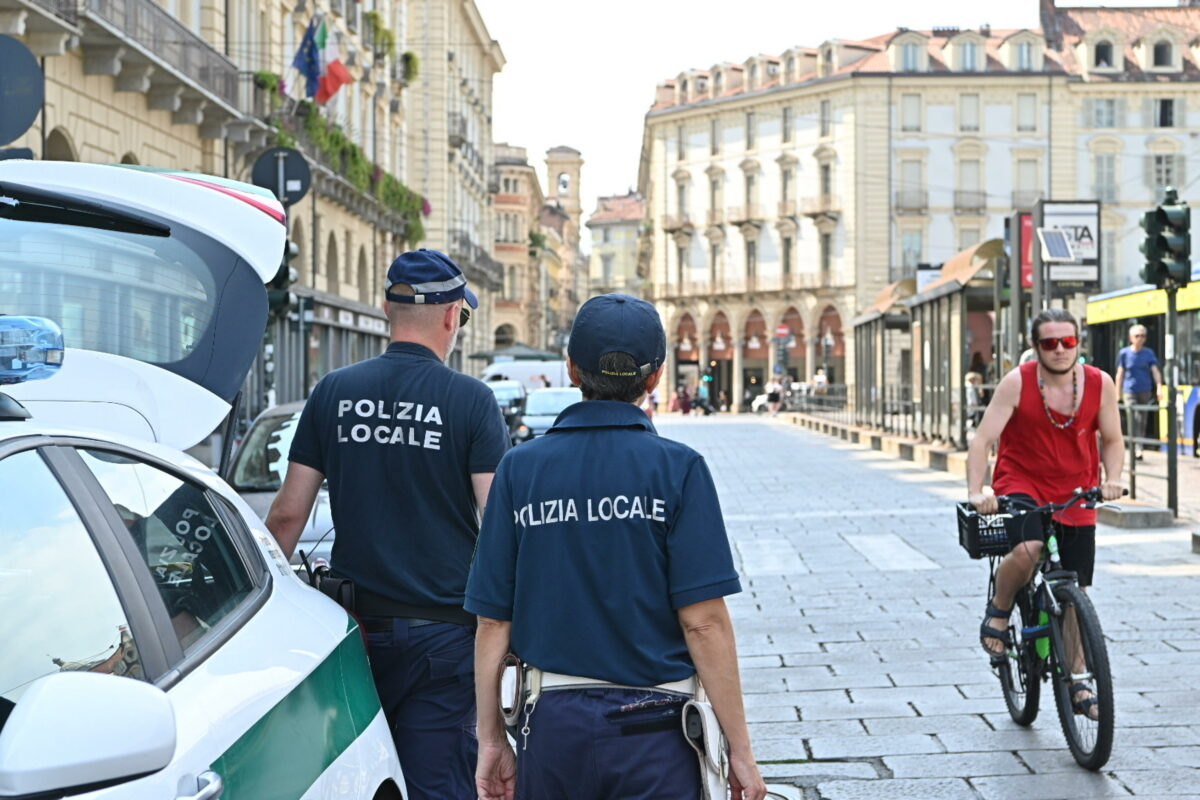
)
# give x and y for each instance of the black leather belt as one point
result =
(369, 604)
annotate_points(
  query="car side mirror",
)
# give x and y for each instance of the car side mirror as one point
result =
(72, 729)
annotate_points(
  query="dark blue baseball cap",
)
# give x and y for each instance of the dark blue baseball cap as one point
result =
(617, 323)
(433, 276)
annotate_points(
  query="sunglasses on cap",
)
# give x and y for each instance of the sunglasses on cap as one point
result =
(464, 314)
(1049, 343)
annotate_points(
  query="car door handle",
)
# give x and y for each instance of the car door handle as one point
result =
(209, 785)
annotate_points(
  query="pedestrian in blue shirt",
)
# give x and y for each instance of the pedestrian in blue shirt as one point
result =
(1139, 378)
(603, 564)
(408, 447)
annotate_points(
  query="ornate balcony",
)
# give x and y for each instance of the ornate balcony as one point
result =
(749, 214)
(823, 205)
(969, 201)
(672, 223)
(912, 201)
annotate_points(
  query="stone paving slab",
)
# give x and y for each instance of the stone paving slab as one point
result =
(898, 789)
(953, 765)
(1080, 785)
(846, 655)
(862, 746)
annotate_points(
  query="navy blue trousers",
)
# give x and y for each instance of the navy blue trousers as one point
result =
(425, 677)
(606, 744)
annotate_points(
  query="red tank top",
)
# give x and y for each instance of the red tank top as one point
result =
(1045, 462)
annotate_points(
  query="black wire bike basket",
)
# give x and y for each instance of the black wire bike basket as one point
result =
(982, 534)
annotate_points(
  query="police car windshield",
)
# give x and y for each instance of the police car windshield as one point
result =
(547, 402)
(126, 291)
(262, 460)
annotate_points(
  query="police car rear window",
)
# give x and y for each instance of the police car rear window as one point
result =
(136, 294)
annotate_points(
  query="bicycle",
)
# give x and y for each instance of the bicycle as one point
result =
(1055, 633)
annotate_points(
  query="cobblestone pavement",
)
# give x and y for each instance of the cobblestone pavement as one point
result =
(857, 633)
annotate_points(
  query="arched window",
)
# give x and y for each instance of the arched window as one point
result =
(331, 264)
(1163, 55)
(504, 336)
(1104, 54)
(59, 147)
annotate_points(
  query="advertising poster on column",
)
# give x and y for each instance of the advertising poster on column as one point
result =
(1080, 221)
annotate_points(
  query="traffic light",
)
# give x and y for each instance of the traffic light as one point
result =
(1168, 242)
(279, 298)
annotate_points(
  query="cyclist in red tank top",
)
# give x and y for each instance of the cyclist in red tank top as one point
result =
(1045, 415)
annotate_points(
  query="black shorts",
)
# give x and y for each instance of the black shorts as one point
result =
(772, 397)
(1076, 543)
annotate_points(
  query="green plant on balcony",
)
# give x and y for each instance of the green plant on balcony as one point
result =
(385, 38)
(347, 159)
(537, 242)
(411, 65)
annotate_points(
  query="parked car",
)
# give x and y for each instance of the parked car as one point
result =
(510, 396)
(542, 407)
(531, 374)
(157, 644)
(256, 472)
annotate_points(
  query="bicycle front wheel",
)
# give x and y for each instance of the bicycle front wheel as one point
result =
(1020, 670)
(1081, 674)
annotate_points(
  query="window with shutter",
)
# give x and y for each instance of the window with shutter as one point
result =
(968, 119)
(1026, 112)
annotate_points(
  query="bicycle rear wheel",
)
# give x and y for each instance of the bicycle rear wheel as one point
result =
(1081, 657)
(1020, 670)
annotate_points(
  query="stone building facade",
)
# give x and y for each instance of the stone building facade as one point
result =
(449, 157)
(207, 86)
(785, 191)
(614, 226)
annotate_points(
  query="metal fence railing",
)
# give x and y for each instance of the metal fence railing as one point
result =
(1136, 417)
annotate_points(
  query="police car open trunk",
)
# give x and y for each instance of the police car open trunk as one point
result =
(157, 280)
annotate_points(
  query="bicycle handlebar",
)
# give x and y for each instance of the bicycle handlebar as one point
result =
(1091, 498)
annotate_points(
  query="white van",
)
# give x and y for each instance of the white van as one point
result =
(529, 373)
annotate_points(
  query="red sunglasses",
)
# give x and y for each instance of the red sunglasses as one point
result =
(1052, 342)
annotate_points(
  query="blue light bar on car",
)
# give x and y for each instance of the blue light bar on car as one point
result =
(31, 349)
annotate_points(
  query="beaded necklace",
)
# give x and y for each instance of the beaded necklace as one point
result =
(1074, 399)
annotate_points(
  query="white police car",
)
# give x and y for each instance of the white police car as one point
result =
(156, 643)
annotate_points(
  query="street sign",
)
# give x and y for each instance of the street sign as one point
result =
(1080, 222)
(782, 331)
(22, 88)
(285, 172)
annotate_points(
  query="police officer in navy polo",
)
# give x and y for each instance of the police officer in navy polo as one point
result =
(408, 447)
(603, 564)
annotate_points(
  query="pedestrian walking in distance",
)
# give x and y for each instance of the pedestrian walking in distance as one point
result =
(603, 564)
(1138, 378)
(408, 447)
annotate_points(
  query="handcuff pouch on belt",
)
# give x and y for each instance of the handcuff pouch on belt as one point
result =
(703, 732)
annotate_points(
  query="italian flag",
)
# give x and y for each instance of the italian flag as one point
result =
(334, 74)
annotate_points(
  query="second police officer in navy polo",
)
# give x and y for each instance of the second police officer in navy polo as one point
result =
(603, 564)
(408, 447)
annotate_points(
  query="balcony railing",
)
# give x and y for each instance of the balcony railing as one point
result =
(748, 214)
(67, 9)
(456, 125)
(1025, 199)
(715, 216)
(676, 222)
(820, 206)
(168, 39)
(969, 201)
(912, 201)
(476, 262)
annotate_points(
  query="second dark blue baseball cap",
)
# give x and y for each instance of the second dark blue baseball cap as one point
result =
(617, 323)
(433, 276)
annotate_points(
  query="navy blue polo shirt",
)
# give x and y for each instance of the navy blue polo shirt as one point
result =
(595, 535)
(398, 437)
